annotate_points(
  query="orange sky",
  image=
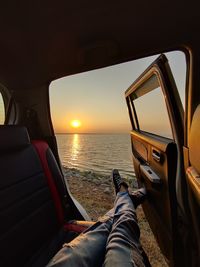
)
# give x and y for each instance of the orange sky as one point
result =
(96, 98)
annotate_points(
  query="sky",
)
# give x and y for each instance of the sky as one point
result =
(96, 98)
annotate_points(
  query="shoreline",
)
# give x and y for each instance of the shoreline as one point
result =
(96, 194)
(97, 178)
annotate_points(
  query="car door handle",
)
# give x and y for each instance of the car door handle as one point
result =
(156, 155)
(147, 172)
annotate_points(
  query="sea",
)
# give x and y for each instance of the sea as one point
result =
(98, 153)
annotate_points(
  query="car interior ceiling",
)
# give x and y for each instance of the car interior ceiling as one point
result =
(44, 41)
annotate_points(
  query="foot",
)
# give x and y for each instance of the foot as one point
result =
(118, 181)
(138, 196)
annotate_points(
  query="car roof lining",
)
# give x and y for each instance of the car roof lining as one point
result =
(42, 41)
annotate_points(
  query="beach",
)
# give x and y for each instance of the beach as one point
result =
(95, 193)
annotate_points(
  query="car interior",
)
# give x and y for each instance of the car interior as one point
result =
(41, 41)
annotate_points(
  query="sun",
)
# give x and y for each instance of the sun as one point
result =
(75, 123)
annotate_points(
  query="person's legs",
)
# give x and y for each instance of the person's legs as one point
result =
(88, 249)
(123, 245)
(121, 249)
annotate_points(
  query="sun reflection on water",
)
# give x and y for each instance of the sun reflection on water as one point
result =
(75, 147)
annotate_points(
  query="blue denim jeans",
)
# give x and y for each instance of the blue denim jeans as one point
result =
(112, 241)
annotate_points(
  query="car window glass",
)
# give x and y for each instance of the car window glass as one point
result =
(2, 110)
(178, 66)
(151, 109)
(152, 114)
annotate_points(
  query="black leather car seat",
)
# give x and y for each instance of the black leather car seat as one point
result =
(32, 204)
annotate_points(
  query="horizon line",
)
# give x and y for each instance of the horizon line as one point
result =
(95, 133)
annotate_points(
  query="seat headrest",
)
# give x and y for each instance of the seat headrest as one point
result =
(13, 137)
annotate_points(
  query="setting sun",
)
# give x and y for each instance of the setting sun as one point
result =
(75, 123)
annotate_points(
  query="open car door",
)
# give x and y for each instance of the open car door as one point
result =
(157, 138)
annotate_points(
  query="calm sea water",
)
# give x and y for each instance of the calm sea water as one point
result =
(98, 153)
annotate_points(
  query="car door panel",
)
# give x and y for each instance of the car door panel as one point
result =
(156, 156)
(158, 178)
(169, 168)
(192, 167)
(193, 179)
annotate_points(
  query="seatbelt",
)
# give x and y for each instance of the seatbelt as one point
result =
(41, 148)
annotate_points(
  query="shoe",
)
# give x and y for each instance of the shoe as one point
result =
(117, 180)
(138, 196)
